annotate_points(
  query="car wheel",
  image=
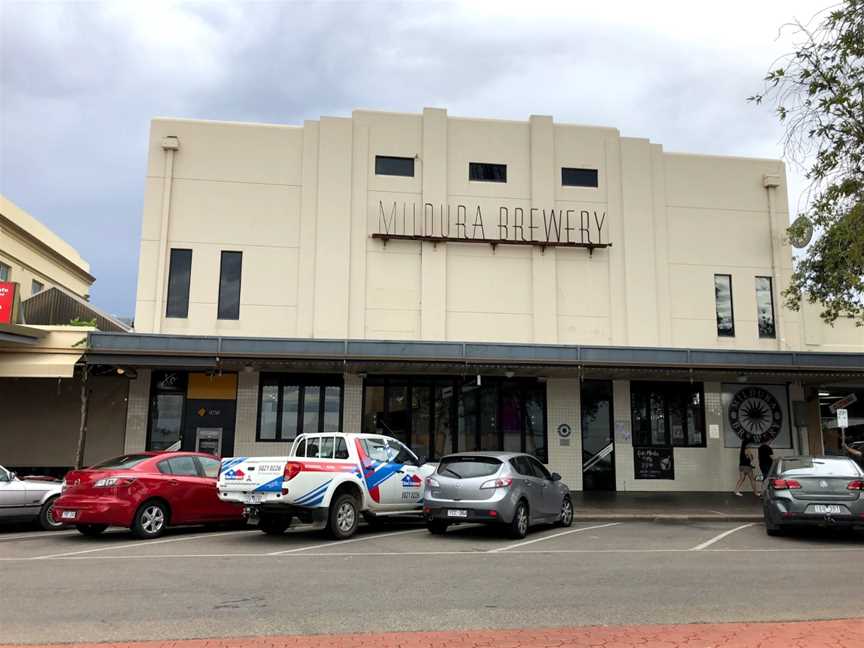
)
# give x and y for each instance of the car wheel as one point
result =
(274, 524)
(46, 516)
(772, 529)
(91, 530)
(150, 520)
(437, 527)
(566, 517)
(343, 517)
(519, 525)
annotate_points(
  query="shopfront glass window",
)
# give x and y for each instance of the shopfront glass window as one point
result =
(443, 420)
(269, 412)
(511, 417)
(290, 405)
(397, 423)
(535, 422)
(469, 417)
(667, 414)
(489, 437)
(166, 420)
(421, 418)
(373, 408)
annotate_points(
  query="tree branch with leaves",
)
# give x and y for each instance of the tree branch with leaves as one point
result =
(818, 91)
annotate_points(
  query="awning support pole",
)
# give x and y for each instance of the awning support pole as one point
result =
(82, 430)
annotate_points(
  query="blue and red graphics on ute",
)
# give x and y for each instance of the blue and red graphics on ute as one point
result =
(234, 474)
(375, 472)
(411, 481)
(315, 496)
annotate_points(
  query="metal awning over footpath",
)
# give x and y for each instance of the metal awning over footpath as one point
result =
(232, 353)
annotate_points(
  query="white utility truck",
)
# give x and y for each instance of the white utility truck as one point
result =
(329, 479)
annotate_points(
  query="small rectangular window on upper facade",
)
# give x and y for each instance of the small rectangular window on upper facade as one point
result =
(179, 277)
(5, 272)
(765, 307)
(230, 270)
(36, 287)
(394, 166)
(571, 177)
(485, 172)
(723, 304)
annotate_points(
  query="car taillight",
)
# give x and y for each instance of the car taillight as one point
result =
(497, 483)
(785, 484)
(292, 469)
(109, 482)
(431, 482)
(858, 484)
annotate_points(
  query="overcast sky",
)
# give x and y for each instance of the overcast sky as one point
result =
(80, 81)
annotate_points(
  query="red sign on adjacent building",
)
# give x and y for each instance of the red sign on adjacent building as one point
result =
(7, 302)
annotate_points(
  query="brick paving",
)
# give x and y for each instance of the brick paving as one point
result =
(848, 633)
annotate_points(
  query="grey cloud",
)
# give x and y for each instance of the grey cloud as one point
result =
(80, 82)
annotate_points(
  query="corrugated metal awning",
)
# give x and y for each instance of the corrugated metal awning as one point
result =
(38, 365)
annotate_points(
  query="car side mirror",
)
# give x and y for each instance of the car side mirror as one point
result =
(421, 460)
(556, 477)
(13, 476)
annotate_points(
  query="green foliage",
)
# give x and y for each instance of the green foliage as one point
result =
(82, 322)
(819, 94)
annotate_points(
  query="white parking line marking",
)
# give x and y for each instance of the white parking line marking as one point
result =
(554, 535)
(43, 534)
(414, 554)
(719, 537)
(144, 543)
(339, 543)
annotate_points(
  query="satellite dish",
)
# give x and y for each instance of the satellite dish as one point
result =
(804, 232)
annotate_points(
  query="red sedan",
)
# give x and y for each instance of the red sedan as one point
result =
(145, 492)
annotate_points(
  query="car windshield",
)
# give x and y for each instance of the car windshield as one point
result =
(467, 467)
(807, 467)
(122, 462)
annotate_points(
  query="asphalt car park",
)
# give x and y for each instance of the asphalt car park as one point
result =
(201, 583)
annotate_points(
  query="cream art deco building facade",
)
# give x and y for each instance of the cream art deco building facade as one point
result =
(471, 283)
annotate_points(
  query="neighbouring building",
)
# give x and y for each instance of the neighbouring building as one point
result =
(44, 285)
(468, 284)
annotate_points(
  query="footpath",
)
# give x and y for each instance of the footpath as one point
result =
(814, 634)
(682, 506)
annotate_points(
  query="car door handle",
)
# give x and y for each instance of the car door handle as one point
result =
(173, 482)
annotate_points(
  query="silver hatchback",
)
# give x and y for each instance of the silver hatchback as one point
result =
(510, 489)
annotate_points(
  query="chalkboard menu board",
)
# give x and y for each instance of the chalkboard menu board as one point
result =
(653, 463)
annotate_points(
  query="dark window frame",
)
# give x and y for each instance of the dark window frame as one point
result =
(219, 306)
(409, 382)
(476, 172)
(282, 380)
(184, 291)
(591, 177)
(7, 273)
(381, 162)
(668, 389)
(156, 391)
(773, 335)
(731, 307)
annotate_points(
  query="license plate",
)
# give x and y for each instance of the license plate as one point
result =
(256, 499)
(67, 515)
(459, 513)
(829, 508)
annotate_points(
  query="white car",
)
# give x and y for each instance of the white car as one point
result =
(330, 479)
(28, 499)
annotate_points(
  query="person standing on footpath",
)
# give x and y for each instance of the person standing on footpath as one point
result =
(745, 470)
(766, 458)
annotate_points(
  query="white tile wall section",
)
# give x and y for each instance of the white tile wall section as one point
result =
(562, 407)
(137, 411)
(246, 423)
(352, 403)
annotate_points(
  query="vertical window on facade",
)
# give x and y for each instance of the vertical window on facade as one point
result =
(667, 414)
(723, 302)
(167, 405)
(179, 275)
(394, 166)
(485, 172)
(5, 272)
(229, 285)
(290, 405)
(765, 307)
(571, 177)
(36, 287)
(436, 416)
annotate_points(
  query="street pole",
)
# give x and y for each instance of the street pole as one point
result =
(82, 430)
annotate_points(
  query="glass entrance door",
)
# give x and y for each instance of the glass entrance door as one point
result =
(598, 445)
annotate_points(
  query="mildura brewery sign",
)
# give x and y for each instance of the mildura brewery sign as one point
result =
(501, 226)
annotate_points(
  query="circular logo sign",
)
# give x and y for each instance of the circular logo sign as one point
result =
(564, 431)
(755, 415)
